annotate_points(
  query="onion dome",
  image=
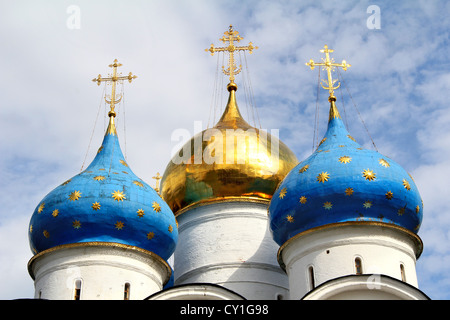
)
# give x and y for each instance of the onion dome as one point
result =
(106, 202)
(231, 161)
(343, 182)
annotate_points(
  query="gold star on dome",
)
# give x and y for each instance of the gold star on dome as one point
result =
(401, 211)
(140, 213)
(351, 138)
(282, 193)
(417, 209)
(156, 207)
(384, 163)
(322, 141)
(66, 182)
(96, 206)
(55, 213)
(290, 218)
(406, 184)
(138, 183)
(348, 191)
(74, 196)
(46, 234)
(76, 224)
(322, 177)
(99, 149)
(118, 195)
(345, 159)
(150, 235)
(31, 228)
(303, 169)
(119, 225)
(369, 175)
(328, 205)
(124, 163)
(389, 195)
(99, 178)
(302, 199)
(170, 228)
(41, 207)
(367, 204)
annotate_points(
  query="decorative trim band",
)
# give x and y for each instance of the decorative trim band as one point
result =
(416, 239)
(221, 200)
(99, 244)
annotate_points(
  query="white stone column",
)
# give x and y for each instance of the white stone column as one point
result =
(228, 243)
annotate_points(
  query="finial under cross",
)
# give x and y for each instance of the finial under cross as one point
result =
(329, 65)
(157, 178)
(114, 78)
(231, 36)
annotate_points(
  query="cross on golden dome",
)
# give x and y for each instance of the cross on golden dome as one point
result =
(113, 79)
(329, 65)
(231, 36)
(157, 178)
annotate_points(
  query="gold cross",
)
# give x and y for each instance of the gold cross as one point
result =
(157, 178)
(114, 78)
(329, 65)
(231, 36)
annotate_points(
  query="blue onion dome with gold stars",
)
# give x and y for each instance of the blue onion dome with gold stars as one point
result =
(343, 182)
(106, 202)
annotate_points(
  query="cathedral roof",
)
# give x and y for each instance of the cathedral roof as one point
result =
(231, 161)
(250, 168)
(340, 182)
(106, 202)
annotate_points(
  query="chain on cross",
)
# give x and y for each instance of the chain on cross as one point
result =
(113, 79)
(329, 65)
(231, 36)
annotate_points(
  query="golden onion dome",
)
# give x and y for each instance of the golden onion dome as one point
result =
(232, 161)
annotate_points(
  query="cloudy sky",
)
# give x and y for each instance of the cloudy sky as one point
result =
(52, 117)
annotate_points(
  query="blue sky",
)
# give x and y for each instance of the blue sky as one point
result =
(398, 81)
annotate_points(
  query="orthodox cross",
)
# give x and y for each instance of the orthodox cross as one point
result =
(157, 178)
(329, 65)
(231, 36)
(113, 79)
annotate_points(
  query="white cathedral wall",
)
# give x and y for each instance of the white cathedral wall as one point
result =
(229, 244)
(101, 270)
(331, 252)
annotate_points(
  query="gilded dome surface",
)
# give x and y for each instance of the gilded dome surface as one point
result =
(106, 202)
(343, 182)
(230, 160)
